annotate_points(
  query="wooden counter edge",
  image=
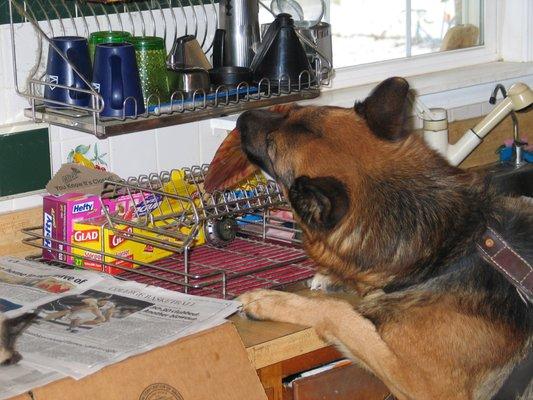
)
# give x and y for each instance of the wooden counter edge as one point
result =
(284, 347)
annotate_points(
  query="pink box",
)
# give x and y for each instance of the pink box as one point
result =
(59, 214)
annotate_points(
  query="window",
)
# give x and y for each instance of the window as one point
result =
(497, 19)
(365, 31)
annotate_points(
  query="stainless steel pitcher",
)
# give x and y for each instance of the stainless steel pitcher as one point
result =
(240, 21)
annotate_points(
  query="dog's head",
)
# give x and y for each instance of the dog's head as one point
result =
(319, 155)
(345, 171)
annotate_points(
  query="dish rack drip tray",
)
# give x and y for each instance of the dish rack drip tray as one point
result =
(225, 272)
(243, 265)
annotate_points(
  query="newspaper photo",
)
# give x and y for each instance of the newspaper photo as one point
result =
(24, 284)
(88, 320)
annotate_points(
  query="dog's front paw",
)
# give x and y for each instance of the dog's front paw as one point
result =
(264, 304)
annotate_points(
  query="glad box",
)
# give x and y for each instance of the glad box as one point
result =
(59, 215)
(92, 238)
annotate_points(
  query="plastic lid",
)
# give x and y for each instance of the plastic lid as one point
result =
(147, 42)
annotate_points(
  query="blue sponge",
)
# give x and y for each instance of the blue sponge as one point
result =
(506, 153)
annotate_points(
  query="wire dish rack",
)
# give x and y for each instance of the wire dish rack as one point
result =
(164, 18)
(219, 245)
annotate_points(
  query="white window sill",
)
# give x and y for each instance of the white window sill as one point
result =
(450, 88)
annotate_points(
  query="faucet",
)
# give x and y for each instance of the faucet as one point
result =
(435, 122)
(518, 145)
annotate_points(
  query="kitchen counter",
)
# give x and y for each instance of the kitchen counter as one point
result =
(275, 350)
(268, 343)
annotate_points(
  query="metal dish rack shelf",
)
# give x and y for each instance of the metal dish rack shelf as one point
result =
(251, 239)
(165, 18)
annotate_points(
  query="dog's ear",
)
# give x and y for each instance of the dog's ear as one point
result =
(319, 202)
(385, 109)
(259, 121)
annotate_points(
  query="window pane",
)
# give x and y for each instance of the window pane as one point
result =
(365, 31)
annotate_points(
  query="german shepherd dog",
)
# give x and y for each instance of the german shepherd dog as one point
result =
(386, 216)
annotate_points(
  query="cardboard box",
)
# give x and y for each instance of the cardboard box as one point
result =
(209, 365)
(95, 235)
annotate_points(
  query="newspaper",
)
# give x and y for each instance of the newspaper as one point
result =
(20, 378)
(89, 320)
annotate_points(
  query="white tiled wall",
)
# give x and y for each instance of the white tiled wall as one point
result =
(131, 154)
(139, 153)
(177, 146)
(21, 202)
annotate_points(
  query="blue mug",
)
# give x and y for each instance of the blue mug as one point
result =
(116, 78)
(58, 70)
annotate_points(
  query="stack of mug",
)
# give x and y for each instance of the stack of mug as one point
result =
(128, 72)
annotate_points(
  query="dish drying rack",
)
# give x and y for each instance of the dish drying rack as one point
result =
(251, 238)
(174, 17)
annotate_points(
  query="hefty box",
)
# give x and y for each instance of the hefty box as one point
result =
(59, 215)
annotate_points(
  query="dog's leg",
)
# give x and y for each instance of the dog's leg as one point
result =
(338, 322)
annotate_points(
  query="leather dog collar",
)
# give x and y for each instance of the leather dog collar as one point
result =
(497, 252)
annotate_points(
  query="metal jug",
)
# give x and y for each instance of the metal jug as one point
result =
(240, 21)
(186, 52)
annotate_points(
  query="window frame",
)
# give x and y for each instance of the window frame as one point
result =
(499, 41)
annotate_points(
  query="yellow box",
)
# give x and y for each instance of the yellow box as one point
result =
(95, 235)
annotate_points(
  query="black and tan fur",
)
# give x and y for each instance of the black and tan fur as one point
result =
(386, 216)
(10, 329)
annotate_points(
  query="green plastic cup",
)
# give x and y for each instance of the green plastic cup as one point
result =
(106, 37)
(151, 60)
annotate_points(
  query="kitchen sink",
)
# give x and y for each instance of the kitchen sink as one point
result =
(510, 180)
